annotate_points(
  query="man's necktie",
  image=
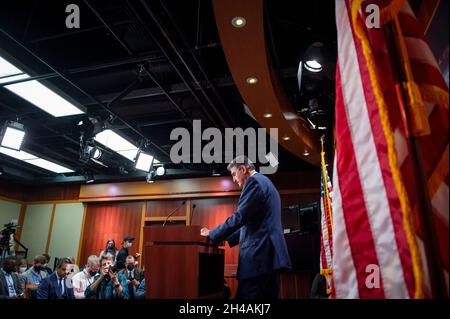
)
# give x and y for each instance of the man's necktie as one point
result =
(61, 289)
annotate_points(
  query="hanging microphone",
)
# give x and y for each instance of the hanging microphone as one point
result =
(173, 212)
(192, 212)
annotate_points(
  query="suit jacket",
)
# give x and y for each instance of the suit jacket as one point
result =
(256, 226)
(138, 274)
(48, 289)
(4, 291)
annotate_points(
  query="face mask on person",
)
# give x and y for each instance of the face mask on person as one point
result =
(92, 273)
(22, 269)
(37, 268)
(128, 245)
(130, 267)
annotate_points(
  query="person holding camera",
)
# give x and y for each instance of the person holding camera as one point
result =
(133, 274)
(108, 284)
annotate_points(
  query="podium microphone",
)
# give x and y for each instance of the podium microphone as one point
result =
(192, 212)
(173, 212)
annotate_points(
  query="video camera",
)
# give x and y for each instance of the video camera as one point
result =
(6, 236)
(10, 229)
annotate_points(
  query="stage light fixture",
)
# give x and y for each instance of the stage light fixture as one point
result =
(12, 135)
(144, 162)
(313, 57)
(89, 178)
(150, 177)
(160, 171)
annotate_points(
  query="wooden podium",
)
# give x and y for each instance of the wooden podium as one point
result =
(182, 264)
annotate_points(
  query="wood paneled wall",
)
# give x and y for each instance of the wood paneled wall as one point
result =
(105, 221)
(27, 193)
(121, 209)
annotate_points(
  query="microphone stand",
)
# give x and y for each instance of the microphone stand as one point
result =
(173, 212)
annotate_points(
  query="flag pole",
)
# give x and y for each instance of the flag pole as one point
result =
(425, 210)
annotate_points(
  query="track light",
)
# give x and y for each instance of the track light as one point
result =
(313, 66)
(314, 57)
(12, 135)
(160, 171)
(89, 178)
(90, 151)
(150, 177)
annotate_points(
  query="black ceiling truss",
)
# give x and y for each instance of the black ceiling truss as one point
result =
(103, 105)
(220, 121)
(142, 67)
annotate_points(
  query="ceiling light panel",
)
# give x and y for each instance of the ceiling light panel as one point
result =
(36, 161)
(35, 92)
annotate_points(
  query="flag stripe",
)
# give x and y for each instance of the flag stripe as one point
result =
(394, 216)
(344, 272)
(357, 223)
(376, 206)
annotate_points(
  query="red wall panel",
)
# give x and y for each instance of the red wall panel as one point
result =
(110, 221)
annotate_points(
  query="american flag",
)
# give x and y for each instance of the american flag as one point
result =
(326, 236)
(377, 245)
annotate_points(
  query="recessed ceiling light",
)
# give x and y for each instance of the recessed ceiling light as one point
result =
(286, 138)
(306, 153)
(252, 80)
(267, 115)
(313, 66)
(238, 22)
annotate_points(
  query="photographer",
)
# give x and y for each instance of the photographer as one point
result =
(133, 275)
(108, 284)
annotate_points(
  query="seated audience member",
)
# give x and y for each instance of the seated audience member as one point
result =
(133, 275)
(23, 266)
(140, 291)
(57, 285)
(45, 266)
(73, 268)
(36, 273)
(108, 284)
(110, 249)
(85, 278)
(10, 287)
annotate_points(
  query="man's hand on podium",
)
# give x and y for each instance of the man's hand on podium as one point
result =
(204, 232)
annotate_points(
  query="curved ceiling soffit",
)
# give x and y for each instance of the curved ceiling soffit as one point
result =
(247, 57)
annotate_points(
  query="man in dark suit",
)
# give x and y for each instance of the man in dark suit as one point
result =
(10, 287)
(256, 227)
(133, 274)
(57, 285)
